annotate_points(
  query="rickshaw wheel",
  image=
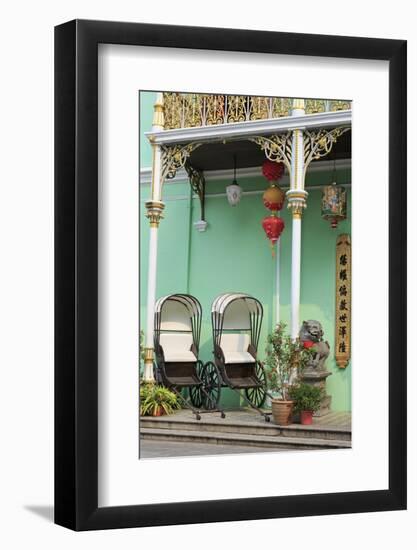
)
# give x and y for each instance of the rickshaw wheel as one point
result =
(196, 392)
(212, 386)
(257, 394)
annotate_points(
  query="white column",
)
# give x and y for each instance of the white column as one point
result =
(295, 276)
(296, 196)
(277, 282)
(154, 208)
(152, 265)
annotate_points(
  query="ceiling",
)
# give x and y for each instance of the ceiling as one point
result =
(219, 156)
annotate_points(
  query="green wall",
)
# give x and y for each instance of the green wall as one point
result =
(234, 255)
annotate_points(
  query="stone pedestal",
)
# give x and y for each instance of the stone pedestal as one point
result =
(318, 378)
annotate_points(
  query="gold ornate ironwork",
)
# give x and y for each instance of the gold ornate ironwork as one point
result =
(213, 110)
(236, 107)
(192, 110)
(319, 143)
(340, 105)
(314, 106)
(183, 110)
(281, 106)
(174, 157)
(343, 301)
(198, 185)
(173, 110)
(154, 211)
(277, 147)
(259, 108)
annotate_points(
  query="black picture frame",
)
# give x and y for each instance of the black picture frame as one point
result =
(76, 271)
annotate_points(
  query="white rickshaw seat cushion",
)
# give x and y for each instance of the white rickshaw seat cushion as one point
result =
(177, 347)
(235, 348)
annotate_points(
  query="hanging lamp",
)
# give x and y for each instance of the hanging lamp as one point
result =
(334, 201)
(234, 191)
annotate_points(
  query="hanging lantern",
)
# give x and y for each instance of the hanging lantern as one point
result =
(333, 204)
(234, 191)
(273, 171)
(274, 198)
(273, 227)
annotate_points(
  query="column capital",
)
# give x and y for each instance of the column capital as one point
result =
(297, 202)
(158, 121)
(148, 355)
(154, 211)
(148, 375)
(298, 106)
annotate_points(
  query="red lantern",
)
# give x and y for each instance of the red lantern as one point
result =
(273, 227)
(273, 171)
(274, 198)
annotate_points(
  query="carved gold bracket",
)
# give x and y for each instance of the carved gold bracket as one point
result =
(174, 157)
(318, 144)
(198, 184)
(277, 147)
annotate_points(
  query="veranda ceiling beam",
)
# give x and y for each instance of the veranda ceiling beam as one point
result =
(242, 130)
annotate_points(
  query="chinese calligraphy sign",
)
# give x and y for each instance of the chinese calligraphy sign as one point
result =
(343, 300)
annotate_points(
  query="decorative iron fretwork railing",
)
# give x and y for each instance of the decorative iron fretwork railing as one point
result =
(183, 110)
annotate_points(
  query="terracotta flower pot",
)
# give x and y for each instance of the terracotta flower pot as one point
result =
(282, 411)
(159, 411)
(306, 417)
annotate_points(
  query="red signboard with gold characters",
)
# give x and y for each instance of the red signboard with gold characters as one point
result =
(343, 300)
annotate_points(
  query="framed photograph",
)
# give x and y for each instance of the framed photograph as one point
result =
(230, 338)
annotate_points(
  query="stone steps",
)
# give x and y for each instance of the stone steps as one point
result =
(257, 427)
(241, 439)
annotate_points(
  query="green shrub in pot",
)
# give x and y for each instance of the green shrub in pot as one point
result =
(306, 397)
(157, 400)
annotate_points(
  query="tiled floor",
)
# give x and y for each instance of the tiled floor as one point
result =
(332, 420)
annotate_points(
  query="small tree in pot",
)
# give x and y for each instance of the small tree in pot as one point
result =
(307, 401)
(285, 359)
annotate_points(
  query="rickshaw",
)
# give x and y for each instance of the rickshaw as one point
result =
(236, 325)
(177, 329)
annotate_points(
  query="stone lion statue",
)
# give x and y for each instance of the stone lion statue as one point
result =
(312, 331)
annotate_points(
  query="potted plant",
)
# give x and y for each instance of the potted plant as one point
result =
(285, 359)
(157, 400)
(307, 399)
